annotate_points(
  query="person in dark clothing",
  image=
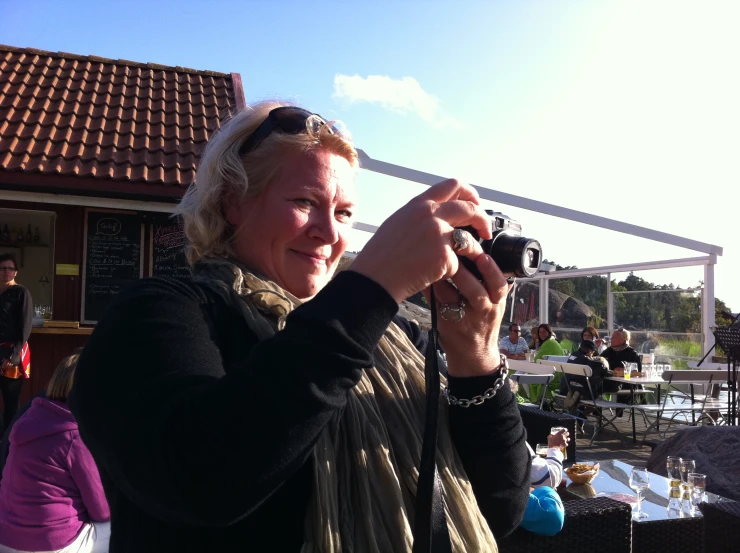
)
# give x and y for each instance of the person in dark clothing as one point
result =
(277, 409)
(16, 320)
(619, 353)
(599, 371)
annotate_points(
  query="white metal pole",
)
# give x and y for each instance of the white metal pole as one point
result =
(609, 304)
(544, 301)
(707, 308)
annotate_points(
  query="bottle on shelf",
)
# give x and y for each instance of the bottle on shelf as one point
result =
(29, 234)
(36, 236)
(6, 233)
(20, 233)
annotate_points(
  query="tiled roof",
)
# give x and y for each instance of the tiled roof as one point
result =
(109, 120)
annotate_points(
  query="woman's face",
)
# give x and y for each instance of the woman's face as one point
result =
(544, 334)
(296, 231)
(7, 272)
(587, 335)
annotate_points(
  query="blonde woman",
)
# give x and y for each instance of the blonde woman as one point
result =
(273, 408)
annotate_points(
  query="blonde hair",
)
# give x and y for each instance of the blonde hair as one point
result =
(60, 383)
(625, 334)
(224, 175)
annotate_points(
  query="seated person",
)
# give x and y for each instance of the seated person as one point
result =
(545, 513)
(599, 368)
(567, 344)
(590, 333)
(548, 343)
(51, 498)
(620, 353)
(514, 346)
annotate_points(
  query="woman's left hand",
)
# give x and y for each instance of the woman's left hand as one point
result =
(471, 343)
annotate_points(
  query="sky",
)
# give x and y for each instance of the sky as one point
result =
(624, 109)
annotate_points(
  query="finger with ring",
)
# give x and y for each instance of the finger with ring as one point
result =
(459, 240)
(452, 312)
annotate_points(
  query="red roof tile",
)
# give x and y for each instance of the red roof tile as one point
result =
(87, 116)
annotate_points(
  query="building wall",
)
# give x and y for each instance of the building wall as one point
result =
(47, 350)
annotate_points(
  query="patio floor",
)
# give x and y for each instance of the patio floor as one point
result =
(610, 445)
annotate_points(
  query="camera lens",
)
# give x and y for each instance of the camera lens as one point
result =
(516, 255)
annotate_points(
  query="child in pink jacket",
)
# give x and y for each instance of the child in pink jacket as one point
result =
(51, 497)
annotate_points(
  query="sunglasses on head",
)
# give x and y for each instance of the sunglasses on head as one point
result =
(289, 120)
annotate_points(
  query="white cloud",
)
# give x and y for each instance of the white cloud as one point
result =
(403, 95)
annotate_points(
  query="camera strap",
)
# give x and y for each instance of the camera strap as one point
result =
(430, 524)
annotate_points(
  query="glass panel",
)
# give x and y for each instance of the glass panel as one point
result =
(575, 303)
(665, 322)
(674, 348)
(522, 307)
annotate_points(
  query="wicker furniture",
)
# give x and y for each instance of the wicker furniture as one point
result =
(721, 522)
(661, 532)
(538, 424)
(600, 525)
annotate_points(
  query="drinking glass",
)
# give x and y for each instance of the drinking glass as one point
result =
(555, 430)
(687, 466)
(698, 483)
(627, 370)
(673, 470)
(639, 481)
(541, 450)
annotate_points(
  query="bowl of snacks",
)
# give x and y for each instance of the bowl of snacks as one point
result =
(582, 473)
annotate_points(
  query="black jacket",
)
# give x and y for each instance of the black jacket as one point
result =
(617, 358)
(16, 321)
(203, 434)
(598, 373)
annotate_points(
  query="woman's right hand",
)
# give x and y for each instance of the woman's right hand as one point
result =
(412, 249)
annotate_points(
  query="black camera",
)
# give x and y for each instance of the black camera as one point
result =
(514, 254)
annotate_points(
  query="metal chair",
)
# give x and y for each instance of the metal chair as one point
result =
(598, 404)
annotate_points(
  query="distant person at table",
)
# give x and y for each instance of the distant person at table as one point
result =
(514, 346)
(548, 342)
(590, 333)
(534, 342)
(619, 353)
(51, 498)
(16, 321)
(567, 344)
(599, 371)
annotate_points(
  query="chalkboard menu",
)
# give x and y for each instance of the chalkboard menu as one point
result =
(167, 247)
(112, 259)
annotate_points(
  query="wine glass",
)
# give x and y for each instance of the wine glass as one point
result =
(639, 480)
(687, 466)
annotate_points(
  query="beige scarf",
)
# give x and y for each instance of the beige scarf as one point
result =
(366, 460)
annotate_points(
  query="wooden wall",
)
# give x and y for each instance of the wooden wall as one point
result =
(47, 350)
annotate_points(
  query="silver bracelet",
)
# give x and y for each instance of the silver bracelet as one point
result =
(488, 394)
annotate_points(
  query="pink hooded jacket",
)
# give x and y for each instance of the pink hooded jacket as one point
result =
(51, 486)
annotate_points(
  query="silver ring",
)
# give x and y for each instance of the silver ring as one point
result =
(456, 311)
(459, 240)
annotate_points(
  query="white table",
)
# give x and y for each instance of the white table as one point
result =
(650, 381)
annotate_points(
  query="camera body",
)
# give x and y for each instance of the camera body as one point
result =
(514, 254)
